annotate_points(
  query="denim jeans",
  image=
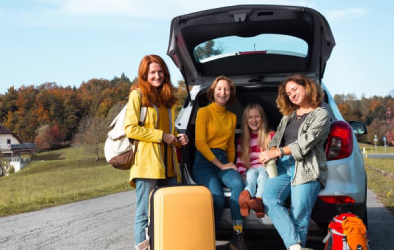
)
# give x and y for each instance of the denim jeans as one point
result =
(143, 189)
(209, 175)
(291, 225)
(255, 181)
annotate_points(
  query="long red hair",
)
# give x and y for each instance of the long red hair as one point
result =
(163, 95)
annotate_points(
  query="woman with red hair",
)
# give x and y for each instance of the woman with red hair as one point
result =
(155, 160)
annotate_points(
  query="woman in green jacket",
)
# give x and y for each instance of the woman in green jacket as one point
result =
(155, 159)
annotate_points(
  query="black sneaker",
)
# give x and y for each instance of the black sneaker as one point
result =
(237, 241)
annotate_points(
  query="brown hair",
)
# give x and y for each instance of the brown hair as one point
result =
(163, 95)
(215, 83)
(314, 93)
(263, 135)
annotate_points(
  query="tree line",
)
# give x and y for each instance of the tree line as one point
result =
(54, 116)
(376, 112)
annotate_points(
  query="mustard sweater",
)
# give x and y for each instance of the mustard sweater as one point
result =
(215, 128)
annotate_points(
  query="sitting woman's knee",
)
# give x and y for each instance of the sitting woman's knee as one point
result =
(218, 201)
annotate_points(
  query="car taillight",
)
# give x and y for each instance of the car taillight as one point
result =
(340, 141)
(337, 199)
(178, 154)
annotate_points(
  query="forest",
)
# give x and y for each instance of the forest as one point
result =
(54, 116)
(376, 112)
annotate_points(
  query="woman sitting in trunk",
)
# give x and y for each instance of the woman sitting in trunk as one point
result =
(214, 159)
(298, 146)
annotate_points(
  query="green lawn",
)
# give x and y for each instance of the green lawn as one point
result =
(371, 149)
(382, 186)
(59, 177)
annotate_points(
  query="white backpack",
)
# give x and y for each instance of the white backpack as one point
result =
(119, 150)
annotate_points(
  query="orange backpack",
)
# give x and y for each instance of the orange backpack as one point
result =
(346, 232)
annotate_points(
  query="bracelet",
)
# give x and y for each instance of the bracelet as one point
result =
(281, 152)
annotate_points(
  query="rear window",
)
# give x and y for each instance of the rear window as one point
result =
(233, 46)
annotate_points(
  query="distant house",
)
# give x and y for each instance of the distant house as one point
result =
(7, 138)
(11, 148)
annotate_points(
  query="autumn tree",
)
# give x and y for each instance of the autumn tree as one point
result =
(181, 94)
(92, 131)
(48, 137)
(378, 128)
(113, 112)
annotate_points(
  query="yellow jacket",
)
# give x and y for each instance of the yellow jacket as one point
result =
(148, 161)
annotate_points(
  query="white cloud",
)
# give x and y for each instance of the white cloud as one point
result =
(349, 14)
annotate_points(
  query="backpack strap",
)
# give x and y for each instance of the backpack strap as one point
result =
(143, 110)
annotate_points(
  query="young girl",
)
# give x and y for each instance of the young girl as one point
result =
(254, 139)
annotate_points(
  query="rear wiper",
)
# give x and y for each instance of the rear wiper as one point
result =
(258, 79)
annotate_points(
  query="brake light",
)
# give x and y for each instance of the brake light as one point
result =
(178, 154)
(340, 141)
(253, 52)
(337, 199)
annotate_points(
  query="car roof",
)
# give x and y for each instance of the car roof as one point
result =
(244, 21)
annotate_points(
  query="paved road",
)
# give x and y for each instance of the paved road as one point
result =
(381, 156)
(106, 223)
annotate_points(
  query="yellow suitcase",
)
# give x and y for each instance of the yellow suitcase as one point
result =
(181, 218)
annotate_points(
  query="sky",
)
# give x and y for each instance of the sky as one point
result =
(72, 41)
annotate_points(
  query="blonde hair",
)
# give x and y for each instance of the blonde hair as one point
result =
(262, 138)
(314, 93)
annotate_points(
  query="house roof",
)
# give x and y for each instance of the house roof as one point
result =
(6, 131)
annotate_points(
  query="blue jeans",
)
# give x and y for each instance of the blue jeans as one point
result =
(143, 189)
(209, 175)
(291, 225)
(255, 181)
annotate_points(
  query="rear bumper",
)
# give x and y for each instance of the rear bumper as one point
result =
(323, 212)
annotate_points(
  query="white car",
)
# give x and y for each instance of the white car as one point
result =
(258, 46)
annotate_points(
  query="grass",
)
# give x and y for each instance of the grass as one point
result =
(378, 150)
(59, 177)
(382, 186)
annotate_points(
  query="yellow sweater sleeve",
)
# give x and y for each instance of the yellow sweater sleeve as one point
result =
(215, 130)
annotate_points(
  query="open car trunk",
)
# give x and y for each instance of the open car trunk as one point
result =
(263, 95)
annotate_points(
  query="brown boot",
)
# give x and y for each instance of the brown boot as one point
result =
(243, 201)
(257, 205)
